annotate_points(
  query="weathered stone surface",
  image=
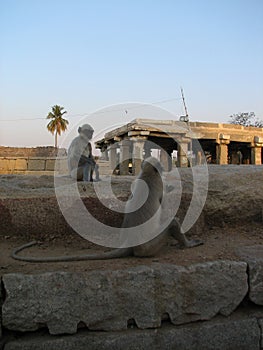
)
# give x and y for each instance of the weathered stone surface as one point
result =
(47, 151)
(62, 165)
(213, 335)
(261, 328)
(107, 300)
(243, 185)
(234, 193)
(0, 310)
(7, 165)
(4, 164)
(36, 164)
(50, 164)
(253, 255)
(21, 164)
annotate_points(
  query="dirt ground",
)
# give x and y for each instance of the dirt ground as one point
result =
(219, 243)
(235, 194)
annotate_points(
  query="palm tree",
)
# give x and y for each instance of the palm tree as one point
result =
(57, 123)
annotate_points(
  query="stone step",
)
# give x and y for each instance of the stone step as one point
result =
(218, 334)
(109, 300)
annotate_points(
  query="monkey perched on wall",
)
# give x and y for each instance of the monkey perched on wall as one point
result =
(143, 220)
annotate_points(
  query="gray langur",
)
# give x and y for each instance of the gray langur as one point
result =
(81, 162)
(150, 210)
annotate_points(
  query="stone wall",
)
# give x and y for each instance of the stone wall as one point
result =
(47, 151)
(33, 165)
(42, 165)
(162, 306)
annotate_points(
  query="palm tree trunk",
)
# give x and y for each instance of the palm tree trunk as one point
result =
(56, 139)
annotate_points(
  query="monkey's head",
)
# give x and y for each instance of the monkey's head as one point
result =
(152, 165)
(86, 131)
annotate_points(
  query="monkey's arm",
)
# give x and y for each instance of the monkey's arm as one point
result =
(113, 254)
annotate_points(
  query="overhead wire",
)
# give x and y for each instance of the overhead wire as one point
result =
(98, 112)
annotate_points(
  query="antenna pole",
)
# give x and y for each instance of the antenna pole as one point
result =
(186, 113)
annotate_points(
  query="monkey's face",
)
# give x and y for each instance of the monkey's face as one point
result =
(86, 134)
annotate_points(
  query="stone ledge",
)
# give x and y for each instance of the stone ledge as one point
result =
(107, 300)
(261, 328)
(42, 165)
(36, 164)
(253, 255)
(226, 334)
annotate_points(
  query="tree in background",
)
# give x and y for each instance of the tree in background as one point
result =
(57, 123)
(246, 119)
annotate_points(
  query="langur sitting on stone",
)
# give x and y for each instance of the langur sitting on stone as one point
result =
(81, 162)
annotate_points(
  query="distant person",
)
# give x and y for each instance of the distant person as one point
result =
(239, 157)
(81, 162)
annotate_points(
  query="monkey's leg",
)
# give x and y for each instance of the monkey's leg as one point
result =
(87, 168)
(176, 232)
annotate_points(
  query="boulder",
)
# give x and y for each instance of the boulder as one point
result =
(253, 255)
(111, 300)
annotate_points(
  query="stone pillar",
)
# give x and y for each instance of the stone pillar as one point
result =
(222, 153)
(124, 157)
(222, 149)
(137, 155)
(165, 160)
(104, 154)
(113, 156)
(256, 155)
(182, 154)
(256, 150)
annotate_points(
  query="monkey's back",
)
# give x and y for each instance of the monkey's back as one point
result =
(143, 209)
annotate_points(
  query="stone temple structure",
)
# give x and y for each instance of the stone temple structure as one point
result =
(194, 143)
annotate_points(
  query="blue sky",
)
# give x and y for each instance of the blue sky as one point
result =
(85, 55)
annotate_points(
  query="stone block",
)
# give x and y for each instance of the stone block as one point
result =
(7, 165)
(241, 334)
(50, 164)
(61, 165)
(258, 139)
(107, 300)
(253, 255)
(206, 125)
(36, 164)
(4, 164)
(261, 329)
(224, 137)
(21, 164)
(231, 126)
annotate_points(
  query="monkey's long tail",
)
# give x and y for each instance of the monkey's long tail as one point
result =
(113, 254)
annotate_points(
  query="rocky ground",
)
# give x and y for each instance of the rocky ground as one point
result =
(231, 218)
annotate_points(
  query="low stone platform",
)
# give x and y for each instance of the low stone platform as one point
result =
(108, 300)
(158, 307)
(218, 334)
